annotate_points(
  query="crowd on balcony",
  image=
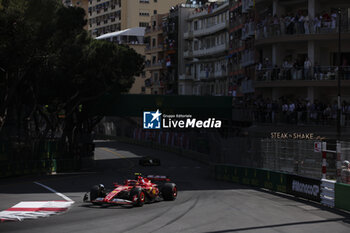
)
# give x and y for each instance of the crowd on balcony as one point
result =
(295, 110)
(299, 70)
(299, 23)
(207, 7)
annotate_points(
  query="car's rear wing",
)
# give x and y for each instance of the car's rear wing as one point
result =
(158, 178)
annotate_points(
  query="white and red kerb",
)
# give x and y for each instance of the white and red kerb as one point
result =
(34, 209)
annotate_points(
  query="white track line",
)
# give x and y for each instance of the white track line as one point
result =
(54, 191)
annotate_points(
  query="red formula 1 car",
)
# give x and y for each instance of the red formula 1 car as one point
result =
(134, 192)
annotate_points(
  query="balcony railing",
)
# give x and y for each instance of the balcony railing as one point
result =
(307, 28)
(303, 116)
(248, 30)
(321, 73)
(188, 53)
(248, 58)
(210, 51)
(158, 47)
(205, 10)
(153, 29)
(247, 5)
(211, 29)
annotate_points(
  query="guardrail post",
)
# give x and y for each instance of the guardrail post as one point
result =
(324, 162)
(338, 164)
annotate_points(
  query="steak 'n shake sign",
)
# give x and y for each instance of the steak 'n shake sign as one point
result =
(295, 135)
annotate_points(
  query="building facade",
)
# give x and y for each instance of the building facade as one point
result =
(295, 48)
(155, 55)
(114, 15)
(205, 51)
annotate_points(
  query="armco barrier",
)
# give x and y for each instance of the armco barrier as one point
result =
(328, 192)
(19, 168)
(342, 196)
(251, 176)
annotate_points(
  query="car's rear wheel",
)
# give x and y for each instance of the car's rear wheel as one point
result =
(169, 191)
(137, 196)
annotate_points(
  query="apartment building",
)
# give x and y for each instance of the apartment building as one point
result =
(205, 51)
(114, 15)
(155, 55)
(236, 48)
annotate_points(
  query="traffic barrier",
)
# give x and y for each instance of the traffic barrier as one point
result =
(328, 192)
(261, 178)
(45, 166)
(342, 196)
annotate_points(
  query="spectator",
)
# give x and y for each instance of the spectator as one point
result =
(334, 20)
(345, 172)
(307, 68)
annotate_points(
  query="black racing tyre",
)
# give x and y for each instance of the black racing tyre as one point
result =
(137, 196)
(96, 192)
(169, 191)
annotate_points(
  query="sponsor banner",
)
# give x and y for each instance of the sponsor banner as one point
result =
(304, 187)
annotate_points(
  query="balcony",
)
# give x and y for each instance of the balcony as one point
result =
(188, 53)
(220, 73)
(206, 12)
(211, 30)
(247, 5)
(311, 118)
(155, 66)
(188, 35)
(185, 77)
(155, 49)
(281, 33)
(248, 58)
(248, 30)
(153, 30)
(211, 51)
(321, 76)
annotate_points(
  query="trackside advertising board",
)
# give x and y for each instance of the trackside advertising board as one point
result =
(304, 187)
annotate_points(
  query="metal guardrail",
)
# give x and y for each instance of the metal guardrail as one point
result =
(328, 192)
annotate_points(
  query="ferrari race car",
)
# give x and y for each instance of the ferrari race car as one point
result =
(134, 192)
(149, 161)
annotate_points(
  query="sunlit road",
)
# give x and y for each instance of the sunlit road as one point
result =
(203, 204)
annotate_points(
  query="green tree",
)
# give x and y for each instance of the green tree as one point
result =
(51, 68)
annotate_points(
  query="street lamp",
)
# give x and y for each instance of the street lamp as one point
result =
(339, 75)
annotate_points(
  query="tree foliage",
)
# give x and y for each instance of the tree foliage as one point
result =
(50, 67)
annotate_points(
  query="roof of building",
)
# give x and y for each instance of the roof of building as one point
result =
(137, 31)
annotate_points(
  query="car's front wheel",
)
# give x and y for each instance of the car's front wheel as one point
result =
(137, 196)
(95, 192)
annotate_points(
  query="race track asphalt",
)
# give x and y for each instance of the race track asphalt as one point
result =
(203, 204)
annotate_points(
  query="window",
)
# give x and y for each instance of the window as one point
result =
(144, 1)
(195, 26)
(144, 14)
(155, 76)
(155, 0)
(155, 12)
(143, 24)
(153, 42)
